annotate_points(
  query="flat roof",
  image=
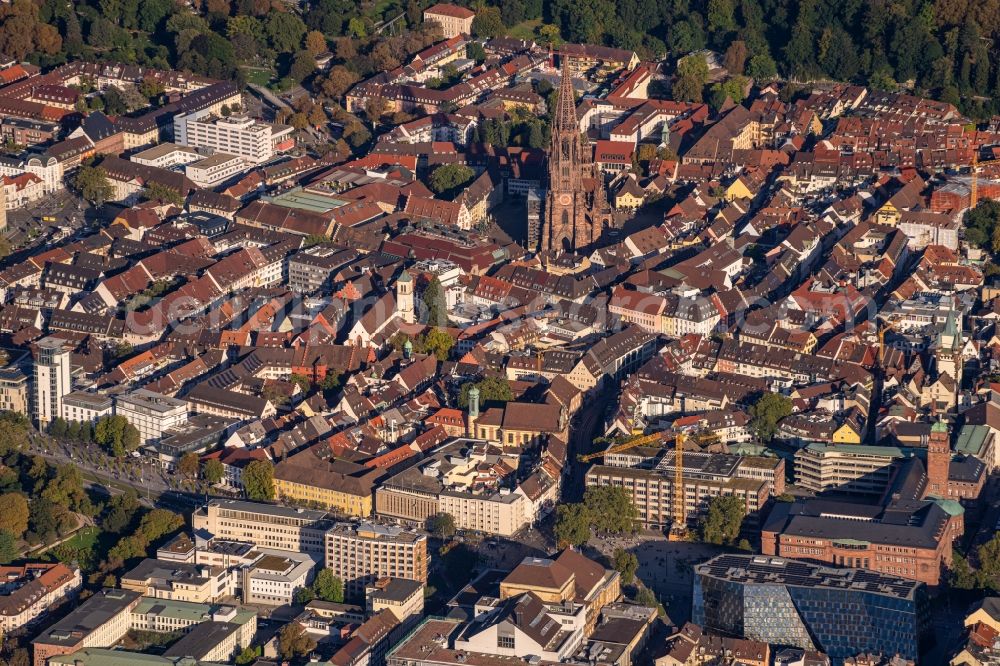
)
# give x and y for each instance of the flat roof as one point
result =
(766, 570)
(306, 515)
(106, 657)
(87, 617)
(201, 640)
(313, 202)
(163, 150)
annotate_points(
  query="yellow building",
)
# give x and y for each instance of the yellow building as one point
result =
(846, 434)
(568, 577)
(336, 485)
(738, 189)
(986, 612)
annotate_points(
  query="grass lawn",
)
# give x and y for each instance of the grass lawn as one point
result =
(258, 75)
(84, 538)
(379, 9)
(524, 29)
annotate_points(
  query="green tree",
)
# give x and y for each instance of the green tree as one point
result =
(8, 547)
(159, 192)
(765, 414)
(159, 523)
(611, 509)
(436, 341)
(692, 75)
(93, 185)
(721, 524)
(303, 64)
(475, 51)
(961, 575)
(441, 525)
(213, 471)
(434, 302)
(626, 564)
(988, 555)
(762, 68)
(58, 427)
(14, 513)
(249, 655)
(258, 480)
(188, 466)
(645, 597)
(328, 587)
(487, 23)
(293, 641)
(450, 178)
(303, 595)
(572, 526)
(492, 391)
(116, 435)
(285, 31)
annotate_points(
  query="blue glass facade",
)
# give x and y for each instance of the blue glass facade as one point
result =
(783, 602)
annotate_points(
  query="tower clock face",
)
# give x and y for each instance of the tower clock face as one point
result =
(564, 199)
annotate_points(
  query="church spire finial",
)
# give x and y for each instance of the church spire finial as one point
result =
(565, 117)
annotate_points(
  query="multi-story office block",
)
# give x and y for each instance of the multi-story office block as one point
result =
(151, 413)
(280, 527)
(361, 553)
(236, 135)
(847, 469)
(842, 612)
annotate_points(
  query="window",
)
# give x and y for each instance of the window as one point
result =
(506, 642)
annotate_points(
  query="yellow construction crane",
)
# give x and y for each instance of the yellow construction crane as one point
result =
(624, 446)
(882, 330)
(678, 528)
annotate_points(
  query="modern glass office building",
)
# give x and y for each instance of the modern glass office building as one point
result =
(840, 611)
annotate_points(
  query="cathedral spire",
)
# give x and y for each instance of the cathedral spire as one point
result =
(565, 116)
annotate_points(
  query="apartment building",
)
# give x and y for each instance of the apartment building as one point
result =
(13, 391)
(86, 407)
(401, 596)
(151, 413)
(362, 553)
(29, 590)
(52, 379)
(268, 525)
(235, 135)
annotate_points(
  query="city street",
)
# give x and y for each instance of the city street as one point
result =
(117, 474)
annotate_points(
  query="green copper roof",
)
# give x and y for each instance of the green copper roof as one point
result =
(939, 426)
(971, 439)
(951, 507)
(404, 277)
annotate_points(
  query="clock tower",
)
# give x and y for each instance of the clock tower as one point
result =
(576, 209)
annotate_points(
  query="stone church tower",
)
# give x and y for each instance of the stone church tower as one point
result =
(938, 460)
(576, 209)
